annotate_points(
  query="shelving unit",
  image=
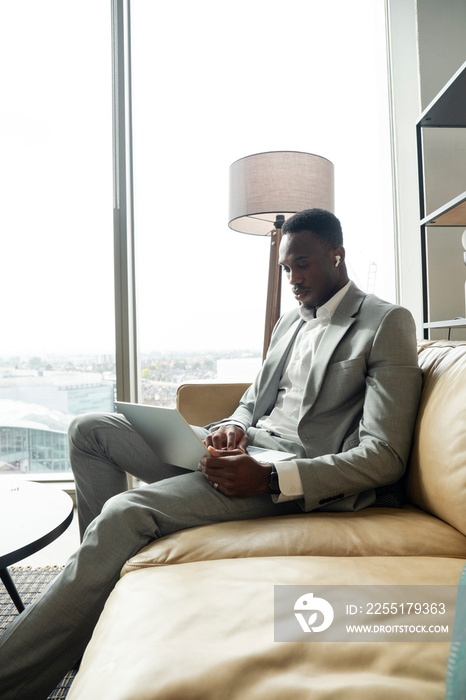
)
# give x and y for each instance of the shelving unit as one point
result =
(447, 110)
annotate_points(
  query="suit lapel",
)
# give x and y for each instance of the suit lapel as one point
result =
(273, 368)
(342, 320)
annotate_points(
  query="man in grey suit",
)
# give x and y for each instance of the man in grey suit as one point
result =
(339, 389)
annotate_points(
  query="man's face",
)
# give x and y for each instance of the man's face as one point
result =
(310, 268)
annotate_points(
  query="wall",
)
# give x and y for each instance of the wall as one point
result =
(405, 107)
(441, 28)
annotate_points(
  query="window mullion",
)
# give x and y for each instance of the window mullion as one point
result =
(127, 374)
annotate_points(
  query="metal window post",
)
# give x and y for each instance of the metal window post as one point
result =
(127, 374)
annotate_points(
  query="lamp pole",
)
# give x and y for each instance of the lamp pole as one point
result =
(274, 286)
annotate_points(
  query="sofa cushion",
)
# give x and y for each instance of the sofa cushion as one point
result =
(437, 470)
(204, 630)
(203, 403)
(374, 531)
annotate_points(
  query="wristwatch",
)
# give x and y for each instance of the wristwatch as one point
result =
(274, 488)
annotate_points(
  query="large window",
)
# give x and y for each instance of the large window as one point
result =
(215, 82)
(57, 348)
(211, 83)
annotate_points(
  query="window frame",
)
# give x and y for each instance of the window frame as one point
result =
(126, 341)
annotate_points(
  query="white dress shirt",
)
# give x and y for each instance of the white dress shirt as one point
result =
(284, 418)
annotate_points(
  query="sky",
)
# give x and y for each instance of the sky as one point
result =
(212, 82)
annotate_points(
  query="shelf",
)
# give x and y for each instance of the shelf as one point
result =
(452, 213)
(448, 108)
(454, 323)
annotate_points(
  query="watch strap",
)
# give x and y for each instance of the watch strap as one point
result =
(274, 487)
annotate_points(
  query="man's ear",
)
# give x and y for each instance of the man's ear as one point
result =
(339, 255)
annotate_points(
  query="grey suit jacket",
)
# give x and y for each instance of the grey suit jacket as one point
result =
(360, 401)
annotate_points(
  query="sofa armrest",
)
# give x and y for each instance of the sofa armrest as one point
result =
(201, 404)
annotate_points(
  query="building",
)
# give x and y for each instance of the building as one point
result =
(35, 412)
(33, 438)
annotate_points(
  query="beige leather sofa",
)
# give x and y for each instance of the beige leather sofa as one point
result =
(192, 616)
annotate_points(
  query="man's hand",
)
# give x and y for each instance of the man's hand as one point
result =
(227, 437)
(235, 473)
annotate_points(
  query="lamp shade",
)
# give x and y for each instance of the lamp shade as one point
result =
(277, 182)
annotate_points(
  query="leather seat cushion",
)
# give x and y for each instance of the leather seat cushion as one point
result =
(370, 532)
(205, 630)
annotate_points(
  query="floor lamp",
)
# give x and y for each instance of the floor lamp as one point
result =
(266, 189)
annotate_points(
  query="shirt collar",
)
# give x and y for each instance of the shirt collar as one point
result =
(326, 311)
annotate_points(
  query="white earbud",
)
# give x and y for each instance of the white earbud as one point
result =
(337, 260)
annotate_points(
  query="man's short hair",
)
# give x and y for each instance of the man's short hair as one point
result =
(320, 222)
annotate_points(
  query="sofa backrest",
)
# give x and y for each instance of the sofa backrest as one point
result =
(436, 478)
(203, 403)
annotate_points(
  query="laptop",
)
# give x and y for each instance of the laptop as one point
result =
(172, 438)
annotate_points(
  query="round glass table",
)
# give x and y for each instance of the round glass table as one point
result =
(31, 517)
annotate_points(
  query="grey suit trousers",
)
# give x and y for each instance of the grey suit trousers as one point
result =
(50, 636)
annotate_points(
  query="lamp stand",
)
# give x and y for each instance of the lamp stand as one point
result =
(274, 285)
